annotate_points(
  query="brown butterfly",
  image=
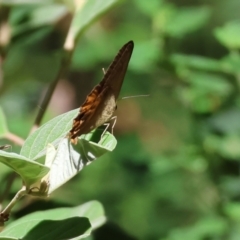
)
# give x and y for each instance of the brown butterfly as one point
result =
(100, 104)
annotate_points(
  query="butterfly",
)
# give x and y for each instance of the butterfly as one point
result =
(100, 104)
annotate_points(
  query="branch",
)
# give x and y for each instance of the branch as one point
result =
(14, 138)
(68, 50)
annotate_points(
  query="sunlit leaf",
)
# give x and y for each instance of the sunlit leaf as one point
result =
(151, 52)
(51, 132)
(88, 13)
(229, 35)
(19, 2)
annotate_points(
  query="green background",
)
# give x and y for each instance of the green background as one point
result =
(175, 171)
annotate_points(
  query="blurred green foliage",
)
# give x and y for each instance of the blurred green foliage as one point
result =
(175, 171)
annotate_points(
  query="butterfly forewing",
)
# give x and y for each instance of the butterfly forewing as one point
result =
(116, 72)
(100, 104)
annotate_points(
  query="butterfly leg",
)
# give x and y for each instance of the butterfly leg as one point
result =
(108, 124)
(114, 122)
(104, 71)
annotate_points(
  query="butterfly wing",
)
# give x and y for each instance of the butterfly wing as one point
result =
(100, 103)
(116, 72)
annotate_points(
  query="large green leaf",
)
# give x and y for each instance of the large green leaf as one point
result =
(67, 161)
(29, 171)
(63, 221)
(48, 228)
(88, 13)
(51, 132)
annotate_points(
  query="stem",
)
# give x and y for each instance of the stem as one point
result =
(14, 138)
(68, 50)
(6, 212)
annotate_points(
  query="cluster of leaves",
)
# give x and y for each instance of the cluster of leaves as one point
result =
(175, 173)
(47, 159)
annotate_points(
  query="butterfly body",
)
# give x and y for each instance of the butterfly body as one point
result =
(100, 104)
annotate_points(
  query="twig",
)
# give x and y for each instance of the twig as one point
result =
(4, 215)
(68, 50)
(14, 138)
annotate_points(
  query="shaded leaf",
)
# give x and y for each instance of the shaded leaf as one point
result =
(36, 223)
(29, 171)
(68, 162)
(59, 229)
(94, 211)
(48, 228)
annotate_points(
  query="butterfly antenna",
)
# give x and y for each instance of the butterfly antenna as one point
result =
(135, 96)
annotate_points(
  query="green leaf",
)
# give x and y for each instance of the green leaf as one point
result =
(47, 14)
(226, 121)
(197, 62)
(186, 20)
(35, 224)
(205, 92)
(51, 132)
(229, 35)
(3, 124)
(150, 51)
(20, 2)
(8, 238)
(226, 146)
(232, 210)
(88, 13)
(41, 228)
(94, 211)
(66, 229)
(29, 171)
(68, 162)
(230, 63)
(149, 8)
